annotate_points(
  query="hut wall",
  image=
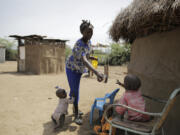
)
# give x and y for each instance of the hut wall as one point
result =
(2, 54)
(45, 59)
(52, 59)
(32, 61)
(156, 60)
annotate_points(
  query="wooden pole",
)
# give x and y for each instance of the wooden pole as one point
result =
(106, 70)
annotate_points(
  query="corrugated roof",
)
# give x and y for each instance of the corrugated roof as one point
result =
(38, 38)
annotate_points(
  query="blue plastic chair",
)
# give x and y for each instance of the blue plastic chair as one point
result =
(99, 103)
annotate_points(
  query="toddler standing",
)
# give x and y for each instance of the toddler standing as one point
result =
(58, 117)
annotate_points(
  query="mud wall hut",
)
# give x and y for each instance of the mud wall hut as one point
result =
(153, 28)
(2, 53)
(39, 55)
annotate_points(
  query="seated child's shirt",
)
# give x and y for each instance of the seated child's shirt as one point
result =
(62, 107)
(135, 100)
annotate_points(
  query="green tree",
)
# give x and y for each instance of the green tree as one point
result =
(120, 54)
(10, 53)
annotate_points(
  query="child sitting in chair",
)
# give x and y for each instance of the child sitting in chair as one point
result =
(58, 117)
(132, 97)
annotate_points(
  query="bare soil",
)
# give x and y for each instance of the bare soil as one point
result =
(27, 101)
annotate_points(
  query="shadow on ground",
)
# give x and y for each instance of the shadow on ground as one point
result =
(16, 73)
(84, 129)
(49, 127)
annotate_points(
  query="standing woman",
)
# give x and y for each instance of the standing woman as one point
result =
(78, 63)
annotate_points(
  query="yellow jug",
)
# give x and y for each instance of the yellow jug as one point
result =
(94, 62)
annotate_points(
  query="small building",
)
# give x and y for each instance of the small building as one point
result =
(101, 47)
(2, 53)
(39, 55)
(153, 29)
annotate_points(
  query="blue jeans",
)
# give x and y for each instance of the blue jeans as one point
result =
(74, 83)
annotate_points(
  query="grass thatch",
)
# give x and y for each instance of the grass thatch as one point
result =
(144, 17)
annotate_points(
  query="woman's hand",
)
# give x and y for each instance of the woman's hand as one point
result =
(100, 77)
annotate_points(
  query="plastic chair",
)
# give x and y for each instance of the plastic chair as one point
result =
(152, 127)
(99, 103)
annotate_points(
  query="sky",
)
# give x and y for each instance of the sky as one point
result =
(59, 19)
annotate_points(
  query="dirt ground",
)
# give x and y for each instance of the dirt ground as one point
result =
(27, 101)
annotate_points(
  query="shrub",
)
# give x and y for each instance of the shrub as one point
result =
(120, 54)
(11, 54)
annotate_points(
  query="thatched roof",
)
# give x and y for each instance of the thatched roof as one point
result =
(144, 17)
